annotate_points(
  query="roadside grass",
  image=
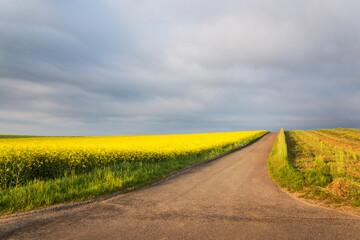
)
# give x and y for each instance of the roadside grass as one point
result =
(281, 169)
(329, 162)
(123, 176)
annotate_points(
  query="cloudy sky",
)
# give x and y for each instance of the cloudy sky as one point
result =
(111, 67)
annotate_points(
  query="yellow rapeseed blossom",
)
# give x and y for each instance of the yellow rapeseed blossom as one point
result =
(23, 159)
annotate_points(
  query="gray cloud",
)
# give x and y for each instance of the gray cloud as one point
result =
(157, 66)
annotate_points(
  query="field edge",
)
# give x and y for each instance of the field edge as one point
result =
(291, 181)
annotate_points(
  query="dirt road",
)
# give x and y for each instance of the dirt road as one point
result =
(229, 198)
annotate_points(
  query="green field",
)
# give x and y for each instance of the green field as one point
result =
(16, 136)
(322, 164)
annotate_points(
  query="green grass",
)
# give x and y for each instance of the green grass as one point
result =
(122, 176)
(281, 169)
(103, 180)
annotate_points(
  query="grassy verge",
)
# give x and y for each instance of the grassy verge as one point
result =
(124, 176)
(322, 164)
(281, 169)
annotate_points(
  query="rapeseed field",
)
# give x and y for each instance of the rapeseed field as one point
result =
(40, 167)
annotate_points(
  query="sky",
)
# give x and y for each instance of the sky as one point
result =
(120, 67)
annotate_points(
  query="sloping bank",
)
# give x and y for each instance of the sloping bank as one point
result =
(281, 169)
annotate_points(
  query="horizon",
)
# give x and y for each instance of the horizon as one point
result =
(110, 68)
(27, 135)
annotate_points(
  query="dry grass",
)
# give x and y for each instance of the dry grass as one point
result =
(329, 160)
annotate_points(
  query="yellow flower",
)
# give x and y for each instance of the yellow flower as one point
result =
(87, 152)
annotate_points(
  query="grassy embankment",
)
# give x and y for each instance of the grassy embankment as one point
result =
(40, 172)
(280, 167)
(326, 163)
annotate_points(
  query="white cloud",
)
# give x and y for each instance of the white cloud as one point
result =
(157, 66)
